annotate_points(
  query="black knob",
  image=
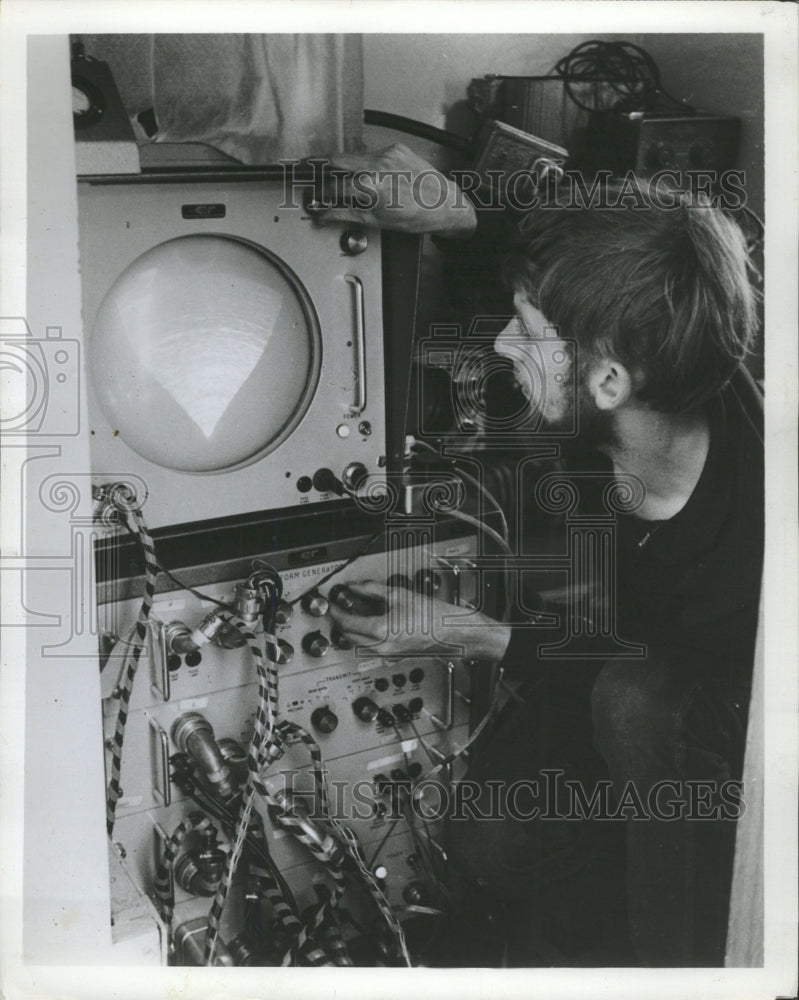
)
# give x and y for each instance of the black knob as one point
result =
(324, 481)
(339, 640)
(194, 658)
(416, 676)
(353, 242)
(398, 679)
(283, 613)
(365, 709)
(280, 654)
(354, 475)
(385, 718)
(381, 684)
(324, 719)
(401, 713)
(315, 604)
(315, 644)
(415, 705)
(340, 595)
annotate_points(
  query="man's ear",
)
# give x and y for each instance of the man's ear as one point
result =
(610, 383)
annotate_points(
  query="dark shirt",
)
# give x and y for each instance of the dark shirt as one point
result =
(690, 585)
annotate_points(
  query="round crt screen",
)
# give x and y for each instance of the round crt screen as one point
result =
(205, 353)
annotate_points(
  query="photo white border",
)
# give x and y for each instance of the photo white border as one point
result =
(778, 22)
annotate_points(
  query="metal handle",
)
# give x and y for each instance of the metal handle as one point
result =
(165, 689)
(163, 746)
(360, 347)
(449, 721)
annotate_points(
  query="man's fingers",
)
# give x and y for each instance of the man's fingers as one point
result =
(325, 216)
(352, 162)
(370, 626)
(369, 588)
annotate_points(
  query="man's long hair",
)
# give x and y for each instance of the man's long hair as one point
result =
(665, 291)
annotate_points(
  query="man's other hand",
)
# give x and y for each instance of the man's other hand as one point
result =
(396, 189)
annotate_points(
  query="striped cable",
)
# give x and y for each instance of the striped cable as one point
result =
(118, 497)
(261, 741)
(267, 888)
(164, 885)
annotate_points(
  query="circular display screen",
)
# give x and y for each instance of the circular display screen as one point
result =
(205, 353)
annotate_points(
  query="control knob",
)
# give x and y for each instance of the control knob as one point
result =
(354, 242)
(324, 719)
(365, 709)
(315, 604)
(283, 613)
(280, 654)
(315, 644)
(354, 475)
(339, 640)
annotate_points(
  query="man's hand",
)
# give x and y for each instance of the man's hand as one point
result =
(396, 189)
(403, 622)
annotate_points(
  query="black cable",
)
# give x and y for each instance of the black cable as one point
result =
(328, 576)
(196, 593)
(184, 586)
(382, 844)
(426, 855)
(420, 129)
(627, 69)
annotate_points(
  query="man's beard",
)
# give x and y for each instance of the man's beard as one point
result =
(594, 428)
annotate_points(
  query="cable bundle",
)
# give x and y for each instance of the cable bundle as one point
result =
(626, 69)
(117, 505)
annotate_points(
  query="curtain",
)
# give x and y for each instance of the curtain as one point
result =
(258, 98)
